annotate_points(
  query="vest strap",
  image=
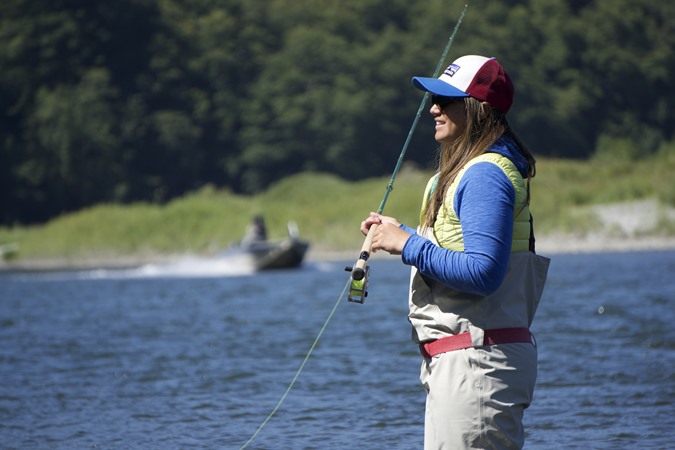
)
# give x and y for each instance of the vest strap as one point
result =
(463, 340)
(532, 240)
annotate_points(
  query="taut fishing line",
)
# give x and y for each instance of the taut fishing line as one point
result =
(358, 282)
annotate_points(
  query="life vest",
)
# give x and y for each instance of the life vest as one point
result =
(448, 230)
(436, 311)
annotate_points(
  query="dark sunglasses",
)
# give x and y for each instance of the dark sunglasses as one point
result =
(442, 102)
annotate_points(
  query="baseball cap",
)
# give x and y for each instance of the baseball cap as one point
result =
(472, 76)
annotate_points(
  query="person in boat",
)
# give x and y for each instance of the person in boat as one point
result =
(475, 278)
(256, 231)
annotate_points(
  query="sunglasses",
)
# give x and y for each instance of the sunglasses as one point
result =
(442, 102)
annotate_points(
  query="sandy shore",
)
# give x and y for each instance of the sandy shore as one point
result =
(602, 244)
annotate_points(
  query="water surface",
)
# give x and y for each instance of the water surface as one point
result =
(196, 355)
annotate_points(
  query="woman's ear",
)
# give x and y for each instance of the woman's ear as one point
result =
(485, 108)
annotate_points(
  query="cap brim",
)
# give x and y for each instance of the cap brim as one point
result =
(437, 87)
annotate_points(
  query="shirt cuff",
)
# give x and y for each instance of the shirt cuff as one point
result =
(407, 229)
(412, 248)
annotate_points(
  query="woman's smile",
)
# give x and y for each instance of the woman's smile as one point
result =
(449, 121)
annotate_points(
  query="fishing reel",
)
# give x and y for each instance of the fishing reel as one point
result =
(359, 284)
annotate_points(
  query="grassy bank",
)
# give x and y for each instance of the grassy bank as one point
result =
(328, 211)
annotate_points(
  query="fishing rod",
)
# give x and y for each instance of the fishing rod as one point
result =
(361, 270)
(358, 282)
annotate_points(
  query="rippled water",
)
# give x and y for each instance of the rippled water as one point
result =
(196, 355)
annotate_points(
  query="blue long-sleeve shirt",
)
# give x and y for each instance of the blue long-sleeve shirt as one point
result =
(484, 202)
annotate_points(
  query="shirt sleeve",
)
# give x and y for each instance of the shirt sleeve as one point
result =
(484, 202)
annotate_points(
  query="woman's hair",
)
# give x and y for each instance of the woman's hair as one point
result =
(484, 125)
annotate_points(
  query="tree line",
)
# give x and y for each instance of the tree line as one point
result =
(145, 100)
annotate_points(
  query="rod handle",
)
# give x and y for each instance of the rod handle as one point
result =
(359, 270)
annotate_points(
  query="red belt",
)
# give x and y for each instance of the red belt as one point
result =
(463, 340)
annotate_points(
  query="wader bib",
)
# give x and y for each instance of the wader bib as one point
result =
(480, 362)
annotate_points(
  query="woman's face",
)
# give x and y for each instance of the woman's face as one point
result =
(450, 117)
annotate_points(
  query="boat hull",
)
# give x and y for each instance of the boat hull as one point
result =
(286, 254)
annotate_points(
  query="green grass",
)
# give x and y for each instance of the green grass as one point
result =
(329, 210)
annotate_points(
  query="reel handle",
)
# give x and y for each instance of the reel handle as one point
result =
(359, 269)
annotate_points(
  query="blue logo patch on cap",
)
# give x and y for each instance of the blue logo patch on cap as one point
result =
(451, 70)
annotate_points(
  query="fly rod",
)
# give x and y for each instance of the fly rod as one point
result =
(359, 272)
(359, 279)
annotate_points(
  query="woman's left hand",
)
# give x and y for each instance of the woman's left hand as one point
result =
(390, 238)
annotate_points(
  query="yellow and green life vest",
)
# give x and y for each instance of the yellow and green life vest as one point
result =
(447, 228)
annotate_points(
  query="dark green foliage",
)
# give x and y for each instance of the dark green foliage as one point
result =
(144, 100)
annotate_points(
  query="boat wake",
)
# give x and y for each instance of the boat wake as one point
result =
(189, 267)
(234, 264)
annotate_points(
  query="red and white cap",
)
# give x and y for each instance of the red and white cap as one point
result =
(472, 76)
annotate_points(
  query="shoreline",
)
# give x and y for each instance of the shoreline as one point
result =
(546, 245)
(623, 227)
(596, 243)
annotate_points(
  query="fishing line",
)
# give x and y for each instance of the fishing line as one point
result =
(355, 284)
(359, 270)
(437, 72)
(297, 374)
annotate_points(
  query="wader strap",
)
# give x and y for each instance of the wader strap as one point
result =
(532, 249)
(463, 340)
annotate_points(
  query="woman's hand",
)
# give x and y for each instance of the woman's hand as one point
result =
(387, 236)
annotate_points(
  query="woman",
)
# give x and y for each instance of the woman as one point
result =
(475, 279)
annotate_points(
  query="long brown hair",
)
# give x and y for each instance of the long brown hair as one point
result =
(484, 125)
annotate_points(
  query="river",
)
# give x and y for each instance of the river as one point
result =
(196, 355)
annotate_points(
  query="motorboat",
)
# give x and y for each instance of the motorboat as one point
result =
(284, 253)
